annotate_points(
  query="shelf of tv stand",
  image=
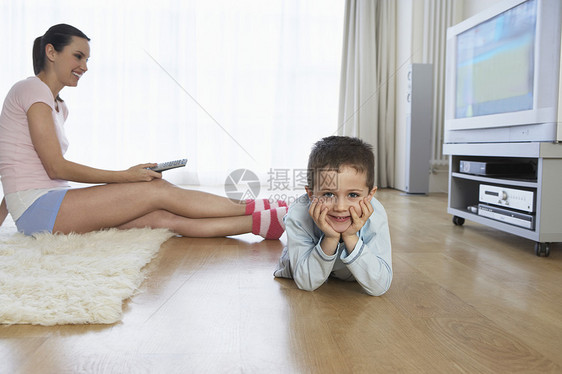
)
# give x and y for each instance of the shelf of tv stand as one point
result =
(512, 229)
(530, 183)
(546, 184)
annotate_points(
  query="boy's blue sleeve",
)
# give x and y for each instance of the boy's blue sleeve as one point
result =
(310, 266)
(370, 262)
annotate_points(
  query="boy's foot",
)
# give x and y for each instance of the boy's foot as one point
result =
(259, 205)
(269, 223)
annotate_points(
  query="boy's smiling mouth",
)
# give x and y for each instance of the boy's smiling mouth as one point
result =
(339, 218)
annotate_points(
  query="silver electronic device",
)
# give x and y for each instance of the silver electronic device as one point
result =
(507, 197)
(507, 216)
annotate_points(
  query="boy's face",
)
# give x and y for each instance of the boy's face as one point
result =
(340, 191)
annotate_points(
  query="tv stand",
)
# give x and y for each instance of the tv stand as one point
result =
(545, 183)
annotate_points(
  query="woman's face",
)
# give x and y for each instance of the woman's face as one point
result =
(71, 63)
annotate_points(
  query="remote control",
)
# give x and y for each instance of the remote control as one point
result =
(163, 166)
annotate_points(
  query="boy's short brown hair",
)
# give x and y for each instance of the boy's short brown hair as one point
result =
(334, 152)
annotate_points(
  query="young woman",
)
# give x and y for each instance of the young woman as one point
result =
(35, 174)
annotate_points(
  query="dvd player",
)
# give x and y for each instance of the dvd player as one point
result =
(506, 168)
(507, 216)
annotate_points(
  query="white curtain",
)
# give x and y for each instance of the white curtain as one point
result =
(367, 89)
(437, 16)
(227, 84)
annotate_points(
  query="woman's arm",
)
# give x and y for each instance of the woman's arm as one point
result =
(3, 211)
(46, 143)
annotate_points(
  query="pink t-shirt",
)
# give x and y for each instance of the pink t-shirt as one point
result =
(20, 166)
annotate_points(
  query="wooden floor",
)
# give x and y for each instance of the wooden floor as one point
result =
(464, 299)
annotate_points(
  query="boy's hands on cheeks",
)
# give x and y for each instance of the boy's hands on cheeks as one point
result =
(318, 211)
(349, 236)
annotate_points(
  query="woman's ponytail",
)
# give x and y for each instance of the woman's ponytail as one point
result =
(38, 55)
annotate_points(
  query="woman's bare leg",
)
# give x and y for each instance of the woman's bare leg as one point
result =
(198, 227)
(113, 205)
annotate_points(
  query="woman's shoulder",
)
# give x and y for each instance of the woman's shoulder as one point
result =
(30, 90)
(31, 83)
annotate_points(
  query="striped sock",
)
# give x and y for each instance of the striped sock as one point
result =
(259, 205)
(269, 223)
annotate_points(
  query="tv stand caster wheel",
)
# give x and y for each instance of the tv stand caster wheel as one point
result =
(542, 249)
(458, 221)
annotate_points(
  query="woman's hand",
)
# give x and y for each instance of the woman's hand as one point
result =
(141, 173)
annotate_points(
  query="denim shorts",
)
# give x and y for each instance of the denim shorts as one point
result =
(41, 215)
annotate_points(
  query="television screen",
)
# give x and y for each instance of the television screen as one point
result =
(495, 64)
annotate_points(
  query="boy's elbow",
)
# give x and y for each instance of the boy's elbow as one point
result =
(376, 291)
(377, 287)
(307, 284)
(307, 287)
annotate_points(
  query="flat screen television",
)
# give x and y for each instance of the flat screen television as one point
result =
(503, 74)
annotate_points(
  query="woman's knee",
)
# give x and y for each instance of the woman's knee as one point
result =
(156, 219)
(178, 224)
(155, 190)
(159, 184)
(162, 218)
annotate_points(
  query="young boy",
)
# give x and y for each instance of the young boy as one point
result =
(338, 229)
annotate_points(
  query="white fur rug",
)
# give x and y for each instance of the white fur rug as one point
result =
(72, 279)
